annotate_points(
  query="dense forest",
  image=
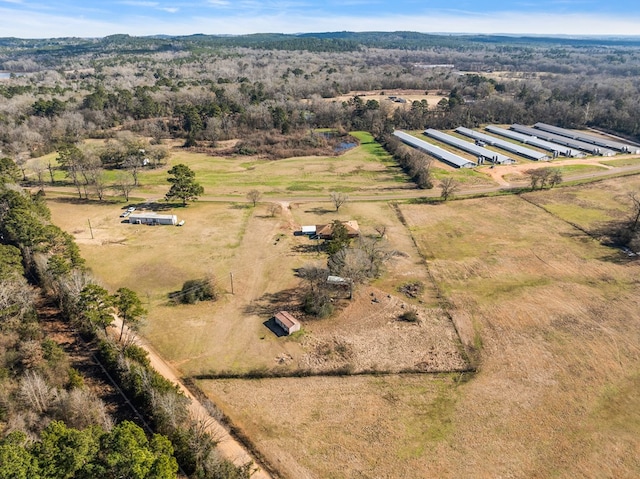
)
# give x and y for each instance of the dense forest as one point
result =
(272, 93)
(205, 88)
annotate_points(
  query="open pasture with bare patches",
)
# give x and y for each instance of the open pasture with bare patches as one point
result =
(555, 321)
(259, 254)
(556, 318)
(550, 315)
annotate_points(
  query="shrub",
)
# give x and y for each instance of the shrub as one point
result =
(410, 316)
(195, 290)
(412, 289)
(76, 380)
(138, 354)
(317, 303)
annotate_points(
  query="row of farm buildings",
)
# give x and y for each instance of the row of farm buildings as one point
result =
(549, 142)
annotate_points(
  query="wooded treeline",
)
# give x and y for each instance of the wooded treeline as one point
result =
(204, 89)
(52, 425)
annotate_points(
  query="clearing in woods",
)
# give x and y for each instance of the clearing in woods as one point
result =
(551, 314)
(261, 253)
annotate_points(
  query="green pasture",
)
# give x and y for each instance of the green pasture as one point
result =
(362, 168)
(579, 169)
(622, 162)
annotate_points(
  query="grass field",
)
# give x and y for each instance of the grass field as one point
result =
(622, 162)
(590, 205)
(262, 253)
(365, 168)
(555, 396)
(552, 315)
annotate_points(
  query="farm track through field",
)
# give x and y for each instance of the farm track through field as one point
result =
(228, 446)
(444, 302)
(407, 194)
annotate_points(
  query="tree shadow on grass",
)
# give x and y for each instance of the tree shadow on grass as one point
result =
(155, 206)
(77, 201)
(270, 303)
(320, 210)
(308, 248)
(240, 206)
(614, 252)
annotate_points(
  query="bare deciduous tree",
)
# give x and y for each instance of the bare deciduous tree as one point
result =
(338, 199)
(541, 177)
(80, 408)
(634, 220)
(381, 230)
(254, 196)
(35, 391)
(124, 184)
(274, 209)
(39, 167)
(448, 186)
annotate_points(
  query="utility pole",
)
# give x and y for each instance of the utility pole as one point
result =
(90, 228)
(231, 276)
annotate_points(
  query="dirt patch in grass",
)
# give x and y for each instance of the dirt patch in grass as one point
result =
(431, 97)
(368, 335)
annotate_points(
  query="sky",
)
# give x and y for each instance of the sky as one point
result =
(86, 18)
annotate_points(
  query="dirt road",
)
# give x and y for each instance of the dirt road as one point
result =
(228, 446)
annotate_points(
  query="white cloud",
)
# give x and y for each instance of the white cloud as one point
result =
(170, 9)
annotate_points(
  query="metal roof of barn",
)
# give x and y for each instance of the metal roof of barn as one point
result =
(468, 147)
(505, 145)
(563, 140)
(435, 151)
(286, 319)
(587, 138)
(535, 141)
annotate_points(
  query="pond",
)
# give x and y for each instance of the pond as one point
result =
(344, 146)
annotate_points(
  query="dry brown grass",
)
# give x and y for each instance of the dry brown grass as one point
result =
(357, 427)
(556, 316)
(262, 253)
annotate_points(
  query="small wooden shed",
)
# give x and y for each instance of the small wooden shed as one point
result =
(287, 322)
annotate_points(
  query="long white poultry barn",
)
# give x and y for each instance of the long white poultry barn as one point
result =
(587, 138)
(433, 150)
(554, 148)
(563, 140)
(503, 144)
(480, 152)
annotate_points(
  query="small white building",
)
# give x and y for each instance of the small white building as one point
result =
(152, 219)
(287, 322)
